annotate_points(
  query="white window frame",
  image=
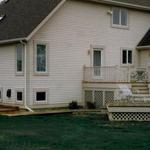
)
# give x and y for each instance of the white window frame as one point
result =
(120, 25)
(40, 90)
(35, 58)
(121, 61)
(19, 90)
(20, 73)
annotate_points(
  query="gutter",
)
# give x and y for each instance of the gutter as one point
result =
(10, 41)
(129, 5)
(143, 47)
(25, 76)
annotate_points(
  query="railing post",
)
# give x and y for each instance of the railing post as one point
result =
(117, 73)
(84, 72)
(129, 73)
(148, 70)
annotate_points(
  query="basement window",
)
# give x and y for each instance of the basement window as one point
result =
(41, 96)
(8, 93)
(19, 95)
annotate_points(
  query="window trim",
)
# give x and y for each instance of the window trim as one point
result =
(19, 90)
(19, 73)
(121, 52)
(40, 90)
(40, 73)
(120, 26)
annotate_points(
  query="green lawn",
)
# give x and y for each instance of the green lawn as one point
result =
(67, 132)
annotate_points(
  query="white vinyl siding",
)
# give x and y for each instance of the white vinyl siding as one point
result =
(70, 32)
(119, 17)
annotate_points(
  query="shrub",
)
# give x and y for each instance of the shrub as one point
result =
(91, 105)
(73, 105)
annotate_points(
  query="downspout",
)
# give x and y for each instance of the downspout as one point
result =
(25, 77)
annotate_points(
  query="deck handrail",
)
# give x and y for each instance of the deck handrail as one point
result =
(115, 74)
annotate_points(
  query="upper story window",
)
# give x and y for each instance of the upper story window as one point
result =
(127, 57)
(119, 17)
(41, 58)
(19, 59)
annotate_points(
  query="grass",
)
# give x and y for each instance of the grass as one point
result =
(67, 132)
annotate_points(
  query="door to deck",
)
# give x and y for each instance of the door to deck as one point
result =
(97, 62)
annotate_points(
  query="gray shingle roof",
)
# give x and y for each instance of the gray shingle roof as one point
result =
(23, 16)
(145, 40)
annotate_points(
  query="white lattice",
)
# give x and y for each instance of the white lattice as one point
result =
(109, 97)
(98, 98)
(131, 116)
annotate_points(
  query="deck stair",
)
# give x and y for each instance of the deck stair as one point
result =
(8, 109)
(140, 88)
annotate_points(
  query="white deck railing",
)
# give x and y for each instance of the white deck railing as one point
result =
(115, 74)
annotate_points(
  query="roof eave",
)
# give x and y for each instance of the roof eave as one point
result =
(112, 2)
(11, 41)
(143, 47)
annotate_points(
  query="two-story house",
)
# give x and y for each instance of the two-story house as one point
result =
(53, 52)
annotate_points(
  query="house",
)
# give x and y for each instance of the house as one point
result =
(53, 52)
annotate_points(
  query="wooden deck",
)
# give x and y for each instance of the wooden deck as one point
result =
(129, 111)
(8, 109)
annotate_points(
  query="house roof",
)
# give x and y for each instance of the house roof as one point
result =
(145, 40)
(23, 16)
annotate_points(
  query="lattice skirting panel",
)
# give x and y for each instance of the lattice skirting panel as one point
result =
(99, 97)
(129, 116)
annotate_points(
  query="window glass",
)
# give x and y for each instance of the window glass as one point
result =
(116, 16)
(20, 58)
(124, 56)
(130, 57)
(41, 58)
(124, 17)
(19, 96)
(40, 96)
(97, 58)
